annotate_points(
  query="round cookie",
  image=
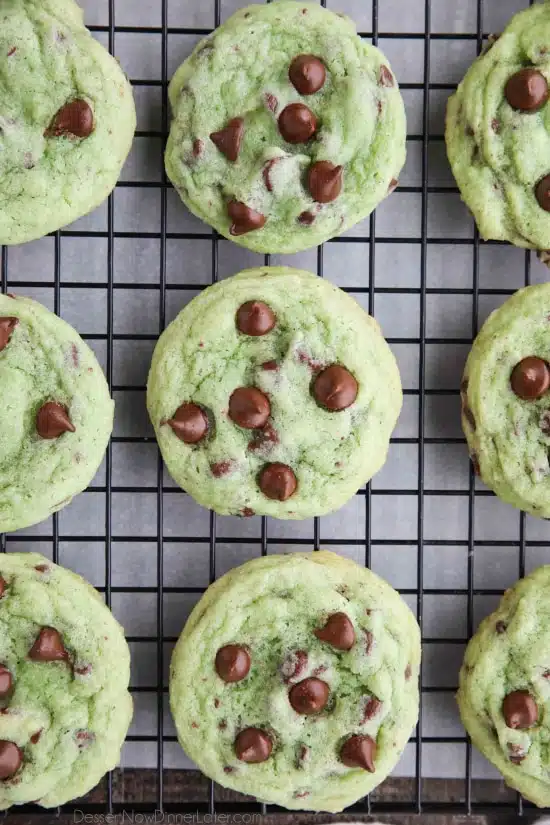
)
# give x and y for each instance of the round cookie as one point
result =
(498, 133)
(506, 401)
(504, 692)
(274, 393)
(295, 680)
(67, 118)
(64, 673)
(56, 417)
(288, 127)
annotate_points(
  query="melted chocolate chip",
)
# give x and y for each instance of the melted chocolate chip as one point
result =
(277, 481)
(52, 420)
(408, 673)
(6, 682)
(221, 468)
(297, 123)
(75, 119)
(520, 710)
(385, 78)
(542, 193)
(306, 218)
(527, 90)
(294, 665)
(249, 408)
(232, 663)
(48, 647)
(7, 326)
(324, 181)
(35, 738)
(266, 173)
(255, 318)
(270, 366)
(271, 102)
(244, 218)
(307, 74)
(544, 422)
(309, 696)
(253, 745)
(3, 585)
(530, 378)
(394, 183)
(189, 423)
(11, 758)
(359, 752)
(372, 706)
(198, 147)
(228, 140)
(335, 388)
(338, 632)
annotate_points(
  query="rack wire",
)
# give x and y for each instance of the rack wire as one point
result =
(171, 790)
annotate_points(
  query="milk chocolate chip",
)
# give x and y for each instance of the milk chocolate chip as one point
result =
(359, 752)
(324, 181)
(232, 663)
(10, 759)
(309, 696)
(253, 745)
(530, 378)
(52, 420)
(297, 123)
(229, 139)
(307, 74)
(249, 408)
(277, 481)
(6, 682)
(338, 632)
(527, 90)
(520, 710)
(7, 326)
(75, 119)
(48, 647)
(255, 318)
(189, 423)
(335, 388)
(244, 218)
(542, 193)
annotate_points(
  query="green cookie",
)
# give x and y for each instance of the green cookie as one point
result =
(288, 127)
(56, 415)
(64, 673)
(67, 118)
(505, 687)
(498, 134)
(506, 401)
(273, 392)
(295, 680)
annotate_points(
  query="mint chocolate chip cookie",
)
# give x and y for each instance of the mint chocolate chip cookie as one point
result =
(56, 414)
(64, 673)
(505, 687)
(67, 118)
(506, 401)
(498, 134)
(288, 127)
(273, 392)
(295, 680)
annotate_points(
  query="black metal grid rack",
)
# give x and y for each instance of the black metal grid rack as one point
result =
(416, 794)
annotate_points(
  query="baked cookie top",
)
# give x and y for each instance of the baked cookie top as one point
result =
(506, 401)
(505, 687)
(56, 415)
(295, 680)
(288, 128)
(273, 392)
(67, 118)
(64, 673)
(498, 133)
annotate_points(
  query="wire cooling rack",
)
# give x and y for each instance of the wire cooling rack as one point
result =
(425, 523)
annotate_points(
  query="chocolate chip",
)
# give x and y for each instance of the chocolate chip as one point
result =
(372, 706)
(229, 139)
(270, 366)
(267, 173)
(244, 218)
(48, 647)
(7, 326)
(495, 126)
(469, 416)
(255, 318)
(83, 670)
(189, 423)
(527, 90)
(11, 758)
(393, 185)
(294, 665)
(475, 464)
(221, 468)
(335, 388)
(306, 218)
(249, 408)
(232, 663)
(265, 439)
(544, 422)
(338, 632)
(500, 627)
(3, 585)
(75, 119)
(309, 696)
(42, 568)
(253, 745)
(198, 147)
(307, 74)
(385, 77)
(408, 673)
(6, 682)
(369, 642)
(542, 193)
(52, 420)
(277, 481)
(530, 378)
(35, 738)
(520, 710)
(247, 512)
(297, 123)
(324, 181)
(271, 102)
(359, 752)
(84, 738)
